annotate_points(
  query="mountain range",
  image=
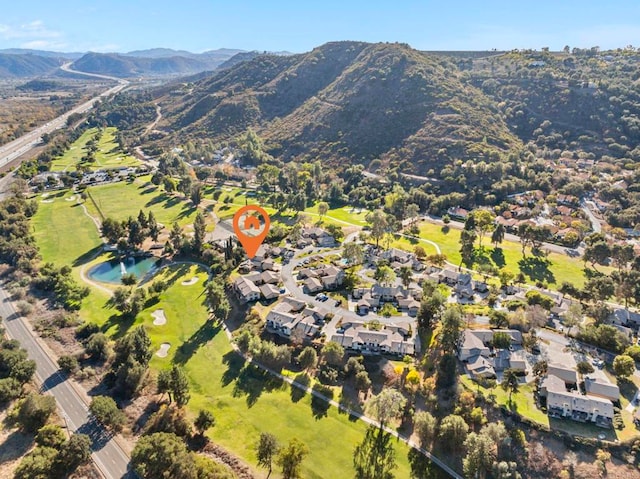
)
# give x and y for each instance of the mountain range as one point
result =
(16, 62)
(345, 102)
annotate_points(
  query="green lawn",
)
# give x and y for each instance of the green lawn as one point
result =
(244, 401)
(554, 269)
(123, 199)
(522, 401)
(109, 154)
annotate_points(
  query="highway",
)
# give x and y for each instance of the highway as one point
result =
(110, 458)
(26, 142)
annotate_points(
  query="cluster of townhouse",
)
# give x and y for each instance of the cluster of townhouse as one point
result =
(564, 220)
(260, 276)
(323, 278)
(294, 318)
(562, 392)
(372, 298)
(482, 361)
(397, 338)
(51, 180)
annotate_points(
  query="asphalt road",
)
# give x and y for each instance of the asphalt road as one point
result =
(18, 147)
(112, 461)
(108, 455)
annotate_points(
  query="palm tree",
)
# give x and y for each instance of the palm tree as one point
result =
(510, 382)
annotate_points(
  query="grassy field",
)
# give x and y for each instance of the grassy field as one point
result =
(109, 154)
(522, 401)
(244, 401)
(554, 269)
(121, 200)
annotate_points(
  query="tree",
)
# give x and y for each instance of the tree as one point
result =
(431, 309)
(76, 452)
(162, 455)
(290, 458)
(501, 340)
(387, 406)
(205, 420)
(483, 220)
(425, 426)
(353, 253)
(498, 235)
(199, 231)
(385, 275)
(333, 353)
(106, 412)
(154, 227)
(38, 464)
(323, 207)
(176, 237)
(584, 367)
(112, 230)
(412, 211)
(179, 386)
(308, 358)
(266, 450)
(453, 432)
(217, 299)
(597, 252)
(467, 250)
(406, 275)
(480, 456)
(498, 319)
(98, 346)
(362, 381)
(377, 219)
(510, 382)
(624, 366)
(34, 411)
(374, 457)
(51, 435)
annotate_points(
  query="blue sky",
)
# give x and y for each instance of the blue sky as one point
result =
(297, 26)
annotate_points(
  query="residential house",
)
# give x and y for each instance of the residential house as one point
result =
(322, 237)
(471, 345)
(356, 337)
(458, 213)
(284, 320)
(570, 404)
(603, 389)
(312, 285)
(247, 290)
(476, 341)
(480, 367)
(269, 277)
(625, 317)
(410, 305)
(568, 375)
(269, 291)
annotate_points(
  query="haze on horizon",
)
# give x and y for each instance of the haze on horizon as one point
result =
(199, 25)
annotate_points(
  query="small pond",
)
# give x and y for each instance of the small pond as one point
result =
(112, 271)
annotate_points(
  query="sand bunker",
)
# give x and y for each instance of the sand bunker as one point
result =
(159, 317)
(44, 195)
(46, 201)
(164, 350)
(190, 282)
(71, 198)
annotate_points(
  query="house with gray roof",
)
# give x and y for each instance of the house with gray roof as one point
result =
(597, 387)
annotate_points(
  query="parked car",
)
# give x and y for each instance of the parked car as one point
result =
(338, 302)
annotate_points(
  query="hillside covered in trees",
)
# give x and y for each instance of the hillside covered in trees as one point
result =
(347, 100)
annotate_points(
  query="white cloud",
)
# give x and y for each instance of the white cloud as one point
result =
(35, 30)
(44, 45)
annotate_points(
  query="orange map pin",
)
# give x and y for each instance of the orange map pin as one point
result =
(251, 224)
